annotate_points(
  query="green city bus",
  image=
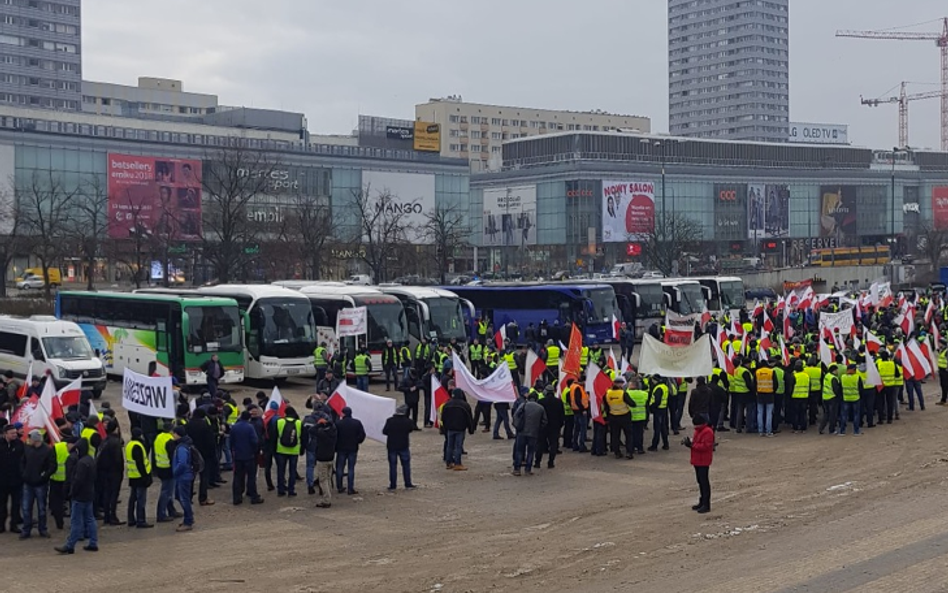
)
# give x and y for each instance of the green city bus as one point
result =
(178, 333)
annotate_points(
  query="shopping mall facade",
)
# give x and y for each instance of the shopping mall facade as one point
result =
(126, 156)
(582, 200)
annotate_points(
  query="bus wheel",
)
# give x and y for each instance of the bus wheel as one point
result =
(96, 393)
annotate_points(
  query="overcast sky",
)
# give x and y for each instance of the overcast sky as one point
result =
(333, 60)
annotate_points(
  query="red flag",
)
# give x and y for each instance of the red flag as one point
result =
(784, 353)
(70, 394)
(906, 320)
(597, 383)
(929, 312)
(758, 309)
(100, 427)
(30, 414)
(336, 401)
(51, 410)
(723, 361)
(616, 327)
(764, 342)
(873, 344)
(21, 393)
(611, 360)
(908, 367)
(781, 303)
(674, 337)
(439, 397)
(500, 337)
(276, 406)
(787, 328)
(920, 362)
(768, 324)
(571, 360)
(535, 367)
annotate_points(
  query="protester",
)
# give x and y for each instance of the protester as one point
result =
(138, 468)
(186, 463)
(529, 422)
(164, 451)
(326, 437)
(244, 444)
(702, 451)
(11, 479)
(81, 494)
(350, 434)
(398, 429)
(457, 419)
(39, 464)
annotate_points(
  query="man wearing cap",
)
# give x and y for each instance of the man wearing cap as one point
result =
(138, 469)
(11, 478)
(81, 493)
(39, 463)
(397, 429)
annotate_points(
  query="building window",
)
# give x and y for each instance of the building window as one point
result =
(495, 121)
(453, 119)
(8, 20)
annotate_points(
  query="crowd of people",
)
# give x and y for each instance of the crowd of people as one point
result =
(784, 370)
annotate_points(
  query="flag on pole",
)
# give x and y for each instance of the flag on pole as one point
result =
(873, 344)
(439, 397)
(873, 378)
(571, 364)
(616, 327)
(535, 367)
(500, 337)
(768, 323)
(826, 357)
(597, 383)
(71, 394)
(784, 353)
(724, 362)
(21, 394)
(276, 406)
(100, 427)
(49, 402)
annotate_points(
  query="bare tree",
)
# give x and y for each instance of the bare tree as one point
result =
(233, 178)
(135, 252)
(932, 244)
(46, 205)
(674, 235)
(447, 227)
(307, 229)
(382, 227)
(11, 236)
(89, 223)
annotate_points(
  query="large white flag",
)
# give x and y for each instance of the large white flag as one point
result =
(371, 410)
(676, 361)
(497, 388)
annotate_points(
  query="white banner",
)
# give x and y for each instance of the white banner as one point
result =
(148, 396)
(497, 388)
(657, 358)
(842, 321)
(351, 322)
(681, 322)
(371, 410)
(628, 210)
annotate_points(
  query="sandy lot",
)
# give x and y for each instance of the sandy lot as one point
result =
(793, 513)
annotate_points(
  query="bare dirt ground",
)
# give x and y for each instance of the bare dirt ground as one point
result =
(793, 513)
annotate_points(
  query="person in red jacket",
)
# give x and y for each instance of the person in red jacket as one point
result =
(702, 450)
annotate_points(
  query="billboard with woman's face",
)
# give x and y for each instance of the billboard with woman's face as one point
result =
(154, 196)
(628, 210)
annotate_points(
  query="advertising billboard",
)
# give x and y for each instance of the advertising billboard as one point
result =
(802, 133)
(838, 213)
(427, 137)
(399, 133)
(628, 210)
(510, 216)
(768, 211)
(7, 196)
(730, 212)
(154, 196)
(940, 206)
(412, 195)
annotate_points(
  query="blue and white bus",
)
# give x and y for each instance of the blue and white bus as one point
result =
(590, 306)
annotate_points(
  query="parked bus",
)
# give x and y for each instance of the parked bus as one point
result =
(432, 312)
(684, 296)
(178, 333)
(726, 293)
(640, 300)
(850, 256)
(591, 306)
(385, 318)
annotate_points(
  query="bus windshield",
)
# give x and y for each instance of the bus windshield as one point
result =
(446, 317)
(67, 348)
(604, 304)
(214, 329)
(286, 327)
(386, 322)
(732, 294)
(651, 299)
(692, 299)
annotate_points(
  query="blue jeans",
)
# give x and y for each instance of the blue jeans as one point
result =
(912, 389)
(286, 473)
(393, 457)
(184, 491)
(455, 446)
(31, 494)
(502, 417)
(346, 462)
(850, 410)
(82, 524)
(524, 450)
(310, 468)
(765, 418)
(362, 383)
(225, 448)
(136, 505)
(166, 499)
(579, 431)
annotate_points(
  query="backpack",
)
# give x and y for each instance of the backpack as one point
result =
(289, 437)
(197, 460)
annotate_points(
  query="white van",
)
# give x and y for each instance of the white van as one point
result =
(54, 345)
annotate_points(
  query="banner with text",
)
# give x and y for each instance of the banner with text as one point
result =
(838, 213)
(351, 322)
(841, 321)
(657, 358)
(510, 216)
(628, 210)
(940, 207)
(154, 196)
(148, 396)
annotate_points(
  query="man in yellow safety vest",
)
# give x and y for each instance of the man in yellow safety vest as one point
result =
(138, 470)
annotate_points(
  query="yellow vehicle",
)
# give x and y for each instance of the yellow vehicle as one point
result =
(34, 276)
(851, 256)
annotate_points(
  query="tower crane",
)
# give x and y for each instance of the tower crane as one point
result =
(902, 99)
(940, 39)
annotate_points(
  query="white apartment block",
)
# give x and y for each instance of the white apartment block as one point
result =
(475, 131)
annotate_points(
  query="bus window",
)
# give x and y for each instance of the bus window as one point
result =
(213, 329)
(414, 325)
(36, 350)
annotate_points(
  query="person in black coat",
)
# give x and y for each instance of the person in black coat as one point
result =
(205, 441)
(411, 387)
(397, 429)
(110, 467)
(326, 438)
(550, 435)
(11, 478)
(350, 434)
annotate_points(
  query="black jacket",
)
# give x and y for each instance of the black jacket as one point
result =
(350, 434)
(11, 462)
(203, 436)
(411, 396)
(111, 456)
(555, 413)
(700, 401)
(39, 463)
(327, 386)
(326, 436)
(208, 365)
(397, 429)
(82, 478)
(389, 357)
(456, 415)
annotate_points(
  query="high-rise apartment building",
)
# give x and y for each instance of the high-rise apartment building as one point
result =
(475, 131)
(728, 69)
(41, 54)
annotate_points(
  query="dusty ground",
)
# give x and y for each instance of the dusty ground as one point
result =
(793, 513)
